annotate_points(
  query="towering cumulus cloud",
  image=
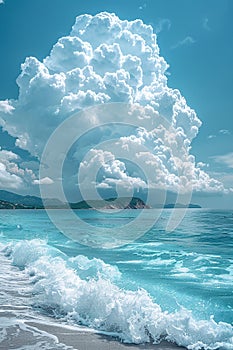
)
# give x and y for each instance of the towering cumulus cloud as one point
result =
(103, 60)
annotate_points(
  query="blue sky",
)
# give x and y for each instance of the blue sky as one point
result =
(195, 38)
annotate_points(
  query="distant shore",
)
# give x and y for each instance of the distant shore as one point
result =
(10, 200)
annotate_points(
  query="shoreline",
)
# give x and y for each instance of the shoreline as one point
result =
(90, 340)
(21, 333)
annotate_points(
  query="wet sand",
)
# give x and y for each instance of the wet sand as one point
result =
(82, 340)
(36, 335)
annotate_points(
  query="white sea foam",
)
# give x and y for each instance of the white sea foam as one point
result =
(94, 267)
(99, 303)
(37, 339)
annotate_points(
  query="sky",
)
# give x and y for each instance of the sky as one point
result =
(194, 38)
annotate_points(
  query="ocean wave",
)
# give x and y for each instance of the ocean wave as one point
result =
(85, 291)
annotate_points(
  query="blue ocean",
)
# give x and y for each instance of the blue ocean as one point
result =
(174, 286)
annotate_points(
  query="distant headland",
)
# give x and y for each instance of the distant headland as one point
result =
(10, 200)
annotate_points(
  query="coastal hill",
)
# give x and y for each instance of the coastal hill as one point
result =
(13, 198)
(8, 205)
(179, 206)
(27, 202)
(10, 200)
(112, 203)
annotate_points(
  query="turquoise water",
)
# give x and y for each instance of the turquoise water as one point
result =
(175, 286)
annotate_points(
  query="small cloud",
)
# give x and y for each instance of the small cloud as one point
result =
(224, 132)
(205, 24)
(186, 41)
(44, 181)
(226, 159)
(202, 165)
(220, 132)
(142, 7)
(163, 24)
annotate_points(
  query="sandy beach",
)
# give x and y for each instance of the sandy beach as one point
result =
(35, 335)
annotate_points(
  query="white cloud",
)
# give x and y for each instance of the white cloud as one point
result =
(162, 24)
(7, 179)
(165, 168)
(226, 159)
(188, 40)
(224, 132)
(103, 60)
(113, 171)
(202, 165)
(220, 132)
(44, 181)
(12, 175)
(211, 136)
(6, 107)
(226, 178)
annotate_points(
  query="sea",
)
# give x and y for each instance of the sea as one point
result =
(165, 285)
